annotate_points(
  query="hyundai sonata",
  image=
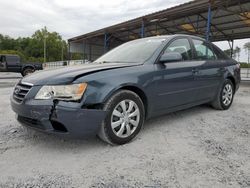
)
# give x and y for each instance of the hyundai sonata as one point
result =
(113, 96)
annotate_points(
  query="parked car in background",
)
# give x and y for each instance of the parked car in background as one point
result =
(138, 80)
(12, 63)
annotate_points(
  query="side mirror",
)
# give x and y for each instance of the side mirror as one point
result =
(171, 57)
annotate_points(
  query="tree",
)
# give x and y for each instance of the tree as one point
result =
(247, 48)
(14, 52)
(237, 52)
(7, 43)
(54, 45)
(32, 47)
(228, 52)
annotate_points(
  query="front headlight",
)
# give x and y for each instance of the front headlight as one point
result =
(71, 92)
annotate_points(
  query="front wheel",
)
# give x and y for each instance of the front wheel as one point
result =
(125, 117)
(225, 96)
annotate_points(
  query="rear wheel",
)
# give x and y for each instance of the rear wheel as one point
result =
(125, 117)
(225, 96)
(27, 71)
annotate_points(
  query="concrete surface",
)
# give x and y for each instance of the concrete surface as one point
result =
(198, 147)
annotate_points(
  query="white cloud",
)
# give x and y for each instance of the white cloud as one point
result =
(75, 17)
(71, 17)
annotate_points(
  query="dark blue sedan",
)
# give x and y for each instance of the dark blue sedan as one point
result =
(113, 96)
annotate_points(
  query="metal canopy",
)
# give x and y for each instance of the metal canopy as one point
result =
(217, 20)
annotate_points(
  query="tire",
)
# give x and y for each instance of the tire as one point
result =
(27, 71)
(219, 101)
(130, 120)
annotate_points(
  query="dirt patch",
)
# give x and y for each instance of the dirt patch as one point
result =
(198, 147)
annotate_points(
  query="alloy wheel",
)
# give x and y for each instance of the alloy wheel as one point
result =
(125, 118)
(227, 94)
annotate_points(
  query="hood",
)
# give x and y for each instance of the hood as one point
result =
(67, 75)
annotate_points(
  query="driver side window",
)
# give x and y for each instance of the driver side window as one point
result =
(181, 46)
(2, 59)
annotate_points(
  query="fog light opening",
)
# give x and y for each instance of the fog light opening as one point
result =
(58, 126)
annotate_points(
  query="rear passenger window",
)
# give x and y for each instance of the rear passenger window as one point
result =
(203, 50)
(181, 46)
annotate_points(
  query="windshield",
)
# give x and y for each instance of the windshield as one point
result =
(133, 52)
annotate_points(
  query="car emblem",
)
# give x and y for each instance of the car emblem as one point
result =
(17, 91)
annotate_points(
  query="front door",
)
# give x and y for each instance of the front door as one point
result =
(175, 83)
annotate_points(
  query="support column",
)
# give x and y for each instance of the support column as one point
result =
(209, 21)
(232, 49)
(90, 52)
(69, 54)
(107, 37)
(142, 29)
(105, 42)
(84, 50)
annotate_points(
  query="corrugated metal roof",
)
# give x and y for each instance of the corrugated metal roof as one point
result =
(230, 20)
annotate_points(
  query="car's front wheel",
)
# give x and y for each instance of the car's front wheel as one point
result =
(125, 117)
(225, 96)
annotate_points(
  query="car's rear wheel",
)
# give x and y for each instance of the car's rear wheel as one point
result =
(27, 71)
(225, 96)
(125, 117)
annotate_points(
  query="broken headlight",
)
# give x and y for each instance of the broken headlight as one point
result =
(72, 92)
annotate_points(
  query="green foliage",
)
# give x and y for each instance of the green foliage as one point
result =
(14, 52)
(247, 49)
(76, 56)
(228, 52)
(247, 46)
(31, 49)
(244, 65)
(236, 53)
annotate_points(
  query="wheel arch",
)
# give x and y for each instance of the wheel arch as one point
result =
(231, 78)
(27, 66)
(136, 90)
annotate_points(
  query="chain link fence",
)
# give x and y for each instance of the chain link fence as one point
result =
(245, 71)
(57, 64)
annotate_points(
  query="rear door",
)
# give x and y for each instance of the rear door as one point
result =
(210, 72)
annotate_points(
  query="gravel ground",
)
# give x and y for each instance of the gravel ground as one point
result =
(198, 147)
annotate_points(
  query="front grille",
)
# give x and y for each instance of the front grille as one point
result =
(21, 91)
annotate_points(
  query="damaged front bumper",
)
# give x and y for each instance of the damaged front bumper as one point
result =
(58, 118)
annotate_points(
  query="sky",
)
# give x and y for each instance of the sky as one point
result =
(70, 18)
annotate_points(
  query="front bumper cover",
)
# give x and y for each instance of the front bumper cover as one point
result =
(58, 118)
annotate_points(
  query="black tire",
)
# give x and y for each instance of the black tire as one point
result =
(218, 101)
(106, 133)
(27, 71)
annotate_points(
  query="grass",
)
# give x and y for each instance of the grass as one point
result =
(244, 65)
